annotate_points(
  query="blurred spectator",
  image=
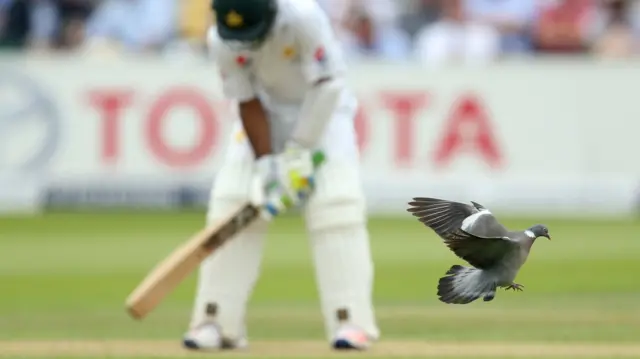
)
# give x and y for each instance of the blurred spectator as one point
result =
(434, 31)
(26, 23)
(15, 24)
(615, 28)
(512, 18)
(72, 18)
(194, 19)
(419, 14)
(369, 28)
(133, 25)
(562, 26)
(457, 38)
(43, 24)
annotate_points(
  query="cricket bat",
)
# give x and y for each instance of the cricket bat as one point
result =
(170, 272)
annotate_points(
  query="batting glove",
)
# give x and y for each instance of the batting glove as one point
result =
(297, 171)
(267, 192)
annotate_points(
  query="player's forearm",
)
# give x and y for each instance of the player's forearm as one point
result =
(256, 126)
(317, 110)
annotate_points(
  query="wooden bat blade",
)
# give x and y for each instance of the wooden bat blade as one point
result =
(166, 276)
(170, 272)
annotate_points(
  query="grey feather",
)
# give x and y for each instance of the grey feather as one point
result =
(476, 236)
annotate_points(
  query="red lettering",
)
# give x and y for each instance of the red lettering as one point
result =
(206, 121)
(362, 128)
(404, 107)
(467, 113)
(110, 103)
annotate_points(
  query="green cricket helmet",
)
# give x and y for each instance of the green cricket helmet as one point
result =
(244, 21)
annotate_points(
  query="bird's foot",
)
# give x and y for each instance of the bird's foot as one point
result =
(515, 287)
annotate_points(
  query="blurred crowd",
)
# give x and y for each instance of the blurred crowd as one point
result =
(431, 31)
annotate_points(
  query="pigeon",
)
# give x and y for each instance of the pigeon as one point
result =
(495, 253)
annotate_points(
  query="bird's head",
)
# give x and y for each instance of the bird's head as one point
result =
(539, 230)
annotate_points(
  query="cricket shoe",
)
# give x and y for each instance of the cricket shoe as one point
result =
(349, 337)
(208, 337)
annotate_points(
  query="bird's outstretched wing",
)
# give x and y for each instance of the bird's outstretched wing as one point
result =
(471, 232)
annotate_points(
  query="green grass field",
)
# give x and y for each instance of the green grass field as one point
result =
(64, 278)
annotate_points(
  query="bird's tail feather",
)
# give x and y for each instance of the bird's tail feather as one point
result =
(463, 285)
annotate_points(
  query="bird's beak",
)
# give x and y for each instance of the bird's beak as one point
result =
(548, 236)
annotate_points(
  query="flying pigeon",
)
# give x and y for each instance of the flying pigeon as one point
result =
(476, 236)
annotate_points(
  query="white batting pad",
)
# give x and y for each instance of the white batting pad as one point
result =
(344, 274)
(336, 220)
(226, 279)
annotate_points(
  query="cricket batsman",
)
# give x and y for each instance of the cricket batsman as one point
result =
(280, 62)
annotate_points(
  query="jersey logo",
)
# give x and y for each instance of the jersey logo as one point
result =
(289, 52)
(243, 61)
(240, 136)
(320, 55)
(233, 19)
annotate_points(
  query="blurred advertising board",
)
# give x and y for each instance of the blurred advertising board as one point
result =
(544, 136)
